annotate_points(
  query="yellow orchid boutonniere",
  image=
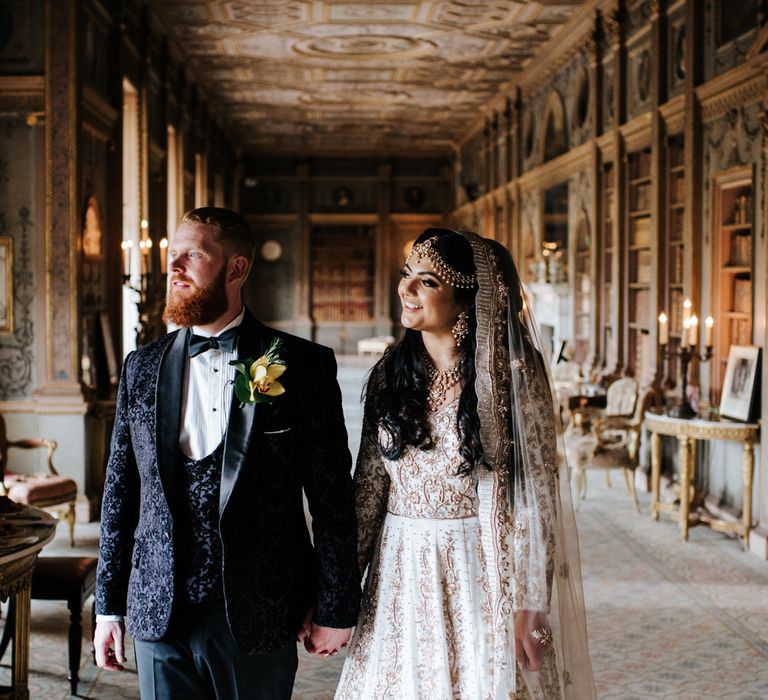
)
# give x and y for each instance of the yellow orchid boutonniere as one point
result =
(256, 380)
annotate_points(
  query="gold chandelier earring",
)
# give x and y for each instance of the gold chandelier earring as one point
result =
(460, 329)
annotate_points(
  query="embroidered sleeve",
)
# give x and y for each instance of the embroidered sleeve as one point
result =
(371, 489)
(119, 511)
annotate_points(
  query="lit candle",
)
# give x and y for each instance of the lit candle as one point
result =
(663, 329)
(143, 257)
(127, 253)
(686, 310)
(708, 331)
(684, 334)
(163, 256)
(694, 336)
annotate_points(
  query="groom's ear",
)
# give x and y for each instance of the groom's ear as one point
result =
(238, 267)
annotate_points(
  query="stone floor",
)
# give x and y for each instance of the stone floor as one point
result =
(667, 619)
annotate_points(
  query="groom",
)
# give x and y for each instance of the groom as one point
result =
(204, 548)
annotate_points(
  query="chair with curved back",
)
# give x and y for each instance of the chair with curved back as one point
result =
(608, 438)
(42, 490)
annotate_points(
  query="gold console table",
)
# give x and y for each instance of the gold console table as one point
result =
(688, 431)
(24, 531)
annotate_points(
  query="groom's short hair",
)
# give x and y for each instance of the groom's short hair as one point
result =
(232, 228)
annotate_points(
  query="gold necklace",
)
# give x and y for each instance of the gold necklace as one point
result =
(440, 383)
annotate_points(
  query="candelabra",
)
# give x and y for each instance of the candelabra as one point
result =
(686, 354)
(687, 351)
(151, 288)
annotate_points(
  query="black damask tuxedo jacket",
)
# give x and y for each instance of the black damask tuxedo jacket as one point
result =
(272, 573)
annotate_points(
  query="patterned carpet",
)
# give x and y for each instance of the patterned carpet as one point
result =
(667, 619)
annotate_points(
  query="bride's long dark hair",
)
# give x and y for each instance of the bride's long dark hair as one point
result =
(398, 384)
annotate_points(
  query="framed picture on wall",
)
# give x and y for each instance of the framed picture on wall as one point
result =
(741, 375)
(6, 284)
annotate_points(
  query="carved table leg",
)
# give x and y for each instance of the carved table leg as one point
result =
(22, 604)
(655, 474)
(747, 469)
(685, 484)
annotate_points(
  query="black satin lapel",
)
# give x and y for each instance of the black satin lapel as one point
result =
(249, 345)
(169, 390)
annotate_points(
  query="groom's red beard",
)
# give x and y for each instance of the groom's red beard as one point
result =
(201, 306)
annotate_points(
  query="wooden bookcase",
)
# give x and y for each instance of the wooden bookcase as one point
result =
(343, 274)
(673, 246)
(733, 259)
(582, 280)
(640, 266)
(607, 291)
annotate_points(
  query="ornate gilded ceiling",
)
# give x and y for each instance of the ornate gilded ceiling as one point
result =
(303, 75)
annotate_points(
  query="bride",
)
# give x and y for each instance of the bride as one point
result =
(465, 523)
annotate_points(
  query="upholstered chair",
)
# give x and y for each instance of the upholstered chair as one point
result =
(43, 490)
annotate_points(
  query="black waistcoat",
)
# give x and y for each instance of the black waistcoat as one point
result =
(198, 545)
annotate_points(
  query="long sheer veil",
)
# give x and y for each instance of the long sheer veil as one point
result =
(521, 434)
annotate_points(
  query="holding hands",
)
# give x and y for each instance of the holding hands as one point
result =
(322, 641)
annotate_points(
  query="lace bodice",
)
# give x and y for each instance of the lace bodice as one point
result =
(427, 483)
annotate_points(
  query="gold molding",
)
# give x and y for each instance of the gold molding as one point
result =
(74, 196)
(736, 88)
(22, 86)
(7, 243)
(552, 56)
(637, 132)
(272, 218)
(606, 144)
(405, 219)
(49, 368)
(558, 169)
(673, 114)
(21, 93)
(331, 218)
(44, 407)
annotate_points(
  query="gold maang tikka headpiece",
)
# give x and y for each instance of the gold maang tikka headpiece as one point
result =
(426, 249)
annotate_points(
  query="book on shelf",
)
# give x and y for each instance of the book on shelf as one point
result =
(643, 267)
(676, 225)
(639, 306)
(675, 312)
(742, 295)
(678, 188)
(741, 249)
(641, 231)
(642, 164)
(676, 267)
(642, 196)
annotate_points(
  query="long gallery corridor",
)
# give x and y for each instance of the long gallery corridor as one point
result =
(667, 619)
(616, 149)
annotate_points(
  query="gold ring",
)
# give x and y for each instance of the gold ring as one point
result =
(543, 635)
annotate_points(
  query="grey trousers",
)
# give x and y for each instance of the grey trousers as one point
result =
(198, 660)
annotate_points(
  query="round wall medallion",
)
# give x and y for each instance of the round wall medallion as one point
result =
(271, 250)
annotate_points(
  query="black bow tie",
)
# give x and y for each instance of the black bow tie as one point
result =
(199, 344)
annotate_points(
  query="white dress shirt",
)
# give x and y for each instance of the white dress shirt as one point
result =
(205, 404)
(207, 397)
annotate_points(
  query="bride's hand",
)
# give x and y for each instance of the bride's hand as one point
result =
(529, 649)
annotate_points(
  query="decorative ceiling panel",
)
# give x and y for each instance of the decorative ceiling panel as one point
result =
(311, 75)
